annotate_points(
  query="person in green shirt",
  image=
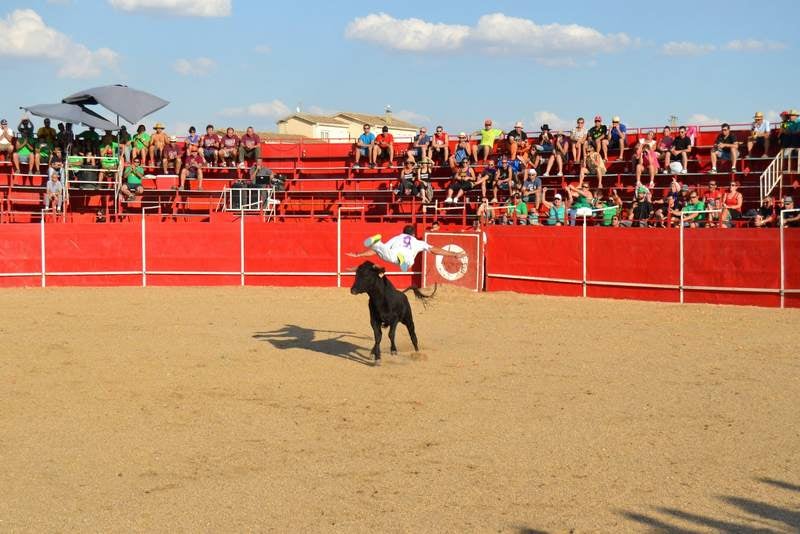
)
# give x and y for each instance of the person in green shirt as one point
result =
(516, 209)
(140, 144)
(132, 179)
(612, 202)
(25, 154)
(691, 216)
(583, 198)
(488, 136)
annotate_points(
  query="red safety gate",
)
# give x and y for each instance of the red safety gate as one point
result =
(464, 272)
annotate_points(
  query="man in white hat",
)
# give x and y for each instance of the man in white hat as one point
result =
(171, 156)
(759, 135)
(517, 141)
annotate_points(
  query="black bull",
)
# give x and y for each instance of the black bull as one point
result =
(387, 305)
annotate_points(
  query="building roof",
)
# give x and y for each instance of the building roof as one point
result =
(314, 119)
(377, 119)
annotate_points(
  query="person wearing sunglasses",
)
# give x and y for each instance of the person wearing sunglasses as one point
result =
(439, 147)
(725, 148)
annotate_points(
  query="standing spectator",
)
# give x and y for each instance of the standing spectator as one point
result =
(383, 147)
(54, 193)
(516, 210)
(592, 164)
(405, 182)
(461, 151)
(422, 145)
(423, 181)
(583, 199)
(124, 140)
(486, 145)
(25, 154)
(463, 181)
(47, 133)
(249, 150)
(692, 218)
(578, 139)
(6, 140)
(560, 154)
(725, 148)
(517, 141)
(193, 138)
(679, 153)
(664, 148)
(132, 179)
(712, 199)
(732, 205)
(617, 136)
(556, 211)
(157, 143)
(140, 144)
(364, 146)
(440, 146)
(759, 135)
(230, 149)
(598, 137)
(192, 167)
(171, 156)
(210, 143)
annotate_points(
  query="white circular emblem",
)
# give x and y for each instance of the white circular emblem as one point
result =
(462, 268)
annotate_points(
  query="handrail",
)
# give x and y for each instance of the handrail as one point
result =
(771, 176)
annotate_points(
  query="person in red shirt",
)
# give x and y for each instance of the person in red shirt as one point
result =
(250, 148)
(384, 146)
(230, 148)
(171, 156)
(192, 167)
(712, 199)
(439, 146)
(210, 143)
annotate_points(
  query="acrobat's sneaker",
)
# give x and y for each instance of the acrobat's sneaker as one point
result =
(368, 242)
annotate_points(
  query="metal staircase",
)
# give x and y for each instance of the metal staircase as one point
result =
(787, 160)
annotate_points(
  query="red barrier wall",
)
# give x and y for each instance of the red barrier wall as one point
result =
(533, 260)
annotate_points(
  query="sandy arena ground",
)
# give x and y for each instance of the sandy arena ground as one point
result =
(251, 409)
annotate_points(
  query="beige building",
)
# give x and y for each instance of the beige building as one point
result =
(345, 126)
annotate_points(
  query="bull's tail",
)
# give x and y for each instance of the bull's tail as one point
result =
(422, 297)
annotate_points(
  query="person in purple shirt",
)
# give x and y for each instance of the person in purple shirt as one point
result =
(250, 148)
(229, 151)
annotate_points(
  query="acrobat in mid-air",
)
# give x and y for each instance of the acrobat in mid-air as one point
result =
(401, 250)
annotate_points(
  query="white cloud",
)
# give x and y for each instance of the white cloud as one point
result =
(412, 117)
(699, 119)
(753, 45)
(186, 8)
(271, 110)
(548, 44)
(25, 35)
(200, 66)
(551, 119)
(685, 48)
(262, 49)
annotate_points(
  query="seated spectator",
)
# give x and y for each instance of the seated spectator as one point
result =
(486, 213)
(556, 211)
(211, 144)
(108, 156)
(582, 199)
(25, 154)
(790, 220)
(43, 151)
(598, 137)
(731, 205)
(544, 145)
(531, 189)
(486, 145)
(578, 139)
(517, 141)
(463, 181)
(6, 140)
(793, 128)
(505, 175)
(192, 167)
(679, 153)
(712, 199)
(725, 148)
(592, 164)
(671, 205)
(664, 148)
(249, 150)
(422, 145)
(140, 144)
(645, 157)
(692, 218)
(91, 141)
(229, 149)
(75, 162)
(423, 181)
(559, 155)
(617, 136)
(364, 147)
(641, 209)
(516, 210)
(649, 139)
(383, 147)
(488, 180)
(764, 215)
(612, 207)
(440, 145)
(25, 127)
(759, 135)
(171, 156)
(46, 133)
(132, 177)
(124, 143)
(405, 183)
(54, 192)
(157, 143)
(193, 138)
(461, 151)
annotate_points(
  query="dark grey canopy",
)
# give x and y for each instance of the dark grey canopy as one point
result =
(130, 104)
(71, 113)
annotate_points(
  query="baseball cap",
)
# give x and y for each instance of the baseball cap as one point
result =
(558, 196)
(4, 121)
(598, 118)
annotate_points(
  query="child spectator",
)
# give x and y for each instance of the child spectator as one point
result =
(55, 188)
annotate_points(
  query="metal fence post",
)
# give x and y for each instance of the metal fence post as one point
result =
(680, 280)
(241, 248)
(42, 246)
(583, 260)
(144, 251)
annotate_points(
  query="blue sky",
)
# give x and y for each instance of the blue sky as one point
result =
(239, 63)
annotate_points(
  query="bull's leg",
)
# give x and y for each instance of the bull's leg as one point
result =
(409, 322)
(376, 329)
(392, 330)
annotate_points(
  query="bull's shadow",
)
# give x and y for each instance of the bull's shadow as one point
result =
(292, 336)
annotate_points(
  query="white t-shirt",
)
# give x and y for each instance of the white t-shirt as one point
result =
(407, 244)
(761, 128)
(3, 140)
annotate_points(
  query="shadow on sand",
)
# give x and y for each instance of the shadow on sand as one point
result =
(750, 512)
(329, 342)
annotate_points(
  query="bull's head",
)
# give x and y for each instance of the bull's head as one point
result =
(367, 276)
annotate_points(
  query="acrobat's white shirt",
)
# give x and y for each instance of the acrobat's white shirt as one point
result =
(400, 248)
